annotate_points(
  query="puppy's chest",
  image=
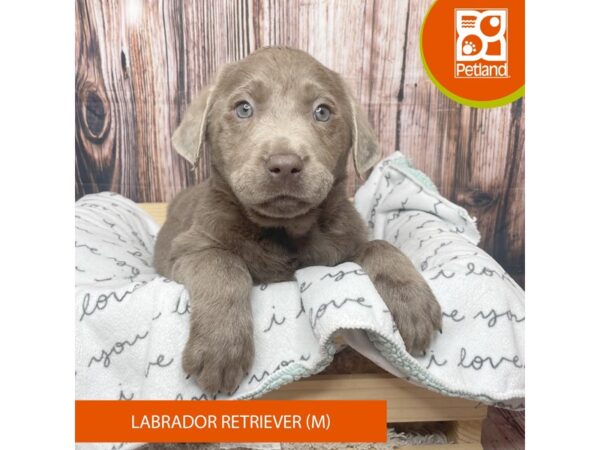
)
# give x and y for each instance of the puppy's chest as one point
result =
(275, 256)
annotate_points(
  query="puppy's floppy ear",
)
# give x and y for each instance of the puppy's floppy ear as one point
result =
(365, 150)
(191, 132)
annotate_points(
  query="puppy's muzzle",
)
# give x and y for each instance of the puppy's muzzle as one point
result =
(284, 168)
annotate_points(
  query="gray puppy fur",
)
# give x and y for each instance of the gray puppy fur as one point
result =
(280, 127)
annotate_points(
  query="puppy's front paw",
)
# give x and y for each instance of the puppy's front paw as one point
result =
(413, 306)
(218, 357)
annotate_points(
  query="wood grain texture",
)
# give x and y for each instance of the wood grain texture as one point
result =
(503, 430)
(139, 63)
(405, 401)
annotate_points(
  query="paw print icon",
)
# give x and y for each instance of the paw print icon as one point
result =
(469, 47)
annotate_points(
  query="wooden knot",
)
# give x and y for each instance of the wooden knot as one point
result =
(476, 198)
(94, 112)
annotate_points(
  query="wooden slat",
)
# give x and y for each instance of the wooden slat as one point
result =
(158, 211)
(405, 401)
(466, 432)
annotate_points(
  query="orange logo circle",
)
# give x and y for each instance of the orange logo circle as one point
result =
(475, 54)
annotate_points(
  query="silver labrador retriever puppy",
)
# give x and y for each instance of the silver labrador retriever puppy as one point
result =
(280, 127)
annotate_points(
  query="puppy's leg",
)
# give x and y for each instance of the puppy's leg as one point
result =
(220, 347)
(406, 294)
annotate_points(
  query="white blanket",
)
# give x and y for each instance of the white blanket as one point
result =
(132, 324)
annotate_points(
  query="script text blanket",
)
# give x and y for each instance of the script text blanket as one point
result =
(132, 325)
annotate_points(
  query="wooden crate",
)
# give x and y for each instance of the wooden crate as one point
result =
(406, 403)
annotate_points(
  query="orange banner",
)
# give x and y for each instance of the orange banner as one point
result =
(230, 421)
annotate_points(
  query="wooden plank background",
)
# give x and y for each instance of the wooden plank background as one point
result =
(140, 62)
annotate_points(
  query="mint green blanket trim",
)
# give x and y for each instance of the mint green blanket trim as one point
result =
(398, 357)
(395, 354)
(402, 162)
(294, 372)
(392, 352)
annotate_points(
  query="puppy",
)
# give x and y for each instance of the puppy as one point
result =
(280, 127)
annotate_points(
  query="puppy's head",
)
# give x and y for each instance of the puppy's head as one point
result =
(280, 126)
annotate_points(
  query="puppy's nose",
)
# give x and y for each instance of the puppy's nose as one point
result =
(284, 165)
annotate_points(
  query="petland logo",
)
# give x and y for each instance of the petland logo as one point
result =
(481, 43)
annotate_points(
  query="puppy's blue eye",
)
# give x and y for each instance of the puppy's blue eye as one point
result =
(243, 110)
(322, 113)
